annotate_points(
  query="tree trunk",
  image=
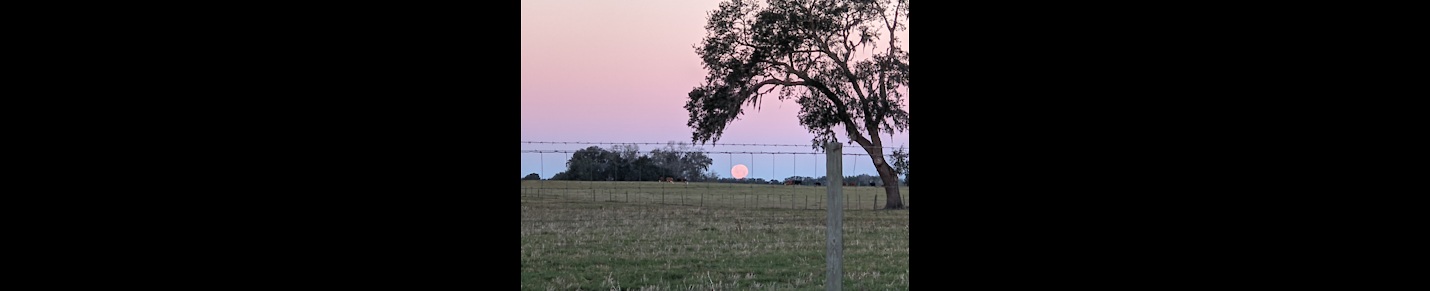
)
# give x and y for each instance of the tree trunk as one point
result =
(889, 176)
(891, 187)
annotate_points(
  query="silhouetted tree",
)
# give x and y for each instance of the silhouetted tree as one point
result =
(829, 56)
(626, 157)
(589, 164)
(901, 163)
(532, 176)
(679, 160)
(562, 175)
(626, 163)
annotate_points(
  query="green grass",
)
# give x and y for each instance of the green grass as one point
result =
(742, 238)
(706, 194)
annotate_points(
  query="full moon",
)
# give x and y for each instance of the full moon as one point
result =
(739, 171)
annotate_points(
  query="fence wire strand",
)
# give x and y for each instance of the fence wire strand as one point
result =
(692, 144)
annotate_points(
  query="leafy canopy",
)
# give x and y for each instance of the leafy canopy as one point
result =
(839, 60)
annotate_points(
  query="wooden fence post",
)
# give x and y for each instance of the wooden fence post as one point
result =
(834, 239)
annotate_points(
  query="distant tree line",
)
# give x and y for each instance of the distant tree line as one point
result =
(628, 163)
(860, 180)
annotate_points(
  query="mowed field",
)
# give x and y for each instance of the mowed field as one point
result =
(659, 236)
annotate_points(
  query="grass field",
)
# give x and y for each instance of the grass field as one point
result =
(621, 236)
(706, 194)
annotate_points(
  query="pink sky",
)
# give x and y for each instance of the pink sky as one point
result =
(619, 71)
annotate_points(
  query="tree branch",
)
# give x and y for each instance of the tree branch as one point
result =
(849, 126)
(773, 81)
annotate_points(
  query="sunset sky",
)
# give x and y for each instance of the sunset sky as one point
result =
(619, 71)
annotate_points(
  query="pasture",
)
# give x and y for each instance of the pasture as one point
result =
(662, 236)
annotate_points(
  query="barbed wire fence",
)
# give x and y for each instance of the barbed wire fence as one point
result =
(623, 182)
(623, 195)
(645, 189)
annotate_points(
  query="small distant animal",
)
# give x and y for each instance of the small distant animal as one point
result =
(817, 184)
